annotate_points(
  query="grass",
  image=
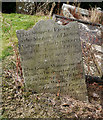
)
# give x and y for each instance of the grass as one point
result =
(11, 23)
(95, 16)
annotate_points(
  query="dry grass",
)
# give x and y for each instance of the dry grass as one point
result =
(95, 16)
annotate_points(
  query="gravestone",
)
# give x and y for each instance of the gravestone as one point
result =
(51, 59)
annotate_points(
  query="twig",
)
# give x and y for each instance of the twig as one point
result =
(72, 19)
(53, 5)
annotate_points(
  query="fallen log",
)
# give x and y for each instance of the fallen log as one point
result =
(77, 9)
(84, 12)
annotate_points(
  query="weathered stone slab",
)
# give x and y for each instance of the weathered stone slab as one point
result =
(51, 59)
(102, 48)
(92, 36)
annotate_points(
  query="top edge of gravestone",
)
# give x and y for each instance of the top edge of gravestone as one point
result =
(47, 24)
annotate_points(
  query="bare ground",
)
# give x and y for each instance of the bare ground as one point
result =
(18, 103)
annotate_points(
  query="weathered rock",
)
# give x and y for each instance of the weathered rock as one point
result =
(91, 36)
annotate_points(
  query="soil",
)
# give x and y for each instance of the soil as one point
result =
(19, 103)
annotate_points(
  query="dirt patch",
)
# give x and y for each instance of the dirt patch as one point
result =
(18, 103)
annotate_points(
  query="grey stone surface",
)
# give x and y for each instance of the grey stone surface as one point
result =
(51, 59)
(92, 36)
(102, 48)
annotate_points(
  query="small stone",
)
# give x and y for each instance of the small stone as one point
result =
(95, 95)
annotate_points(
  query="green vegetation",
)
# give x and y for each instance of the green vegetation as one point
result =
(11, 23)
